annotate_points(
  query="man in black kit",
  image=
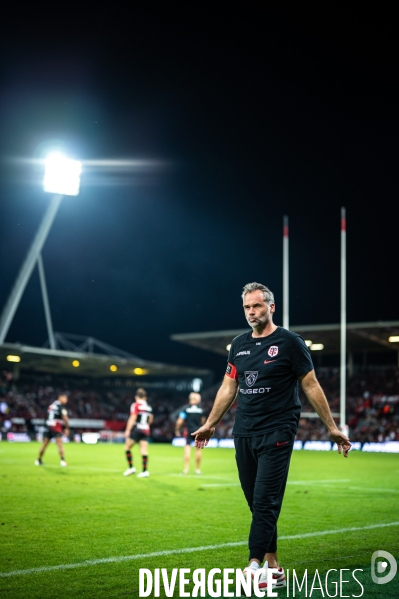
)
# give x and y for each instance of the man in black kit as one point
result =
(264, 366)
(57, 420)
(191, 418)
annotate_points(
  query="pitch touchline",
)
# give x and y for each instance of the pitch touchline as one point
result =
(293, 482)
(126, 558)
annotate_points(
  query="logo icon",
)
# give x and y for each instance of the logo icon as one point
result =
(381, 567)
(250, 377)
(273, 351)
(268, 361)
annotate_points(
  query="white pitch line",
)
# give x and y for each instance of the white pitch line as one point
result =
(222, 485)
(374, 489)
(294, 482)
(312, 482)
(126, 558)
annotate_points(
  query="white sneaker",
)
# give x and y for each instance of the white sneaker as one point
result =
(129, 471)
(38, 463)
(251, 570)
(279, 579)
(63, 463)
(144, 474)
(198, 472)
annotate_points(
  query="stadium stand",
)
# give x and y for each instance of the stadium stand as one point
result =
(372, 407)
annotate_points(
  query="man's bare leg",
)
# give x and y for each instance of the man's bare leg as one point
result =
(198, 455)
(187, 454)
(60, 446)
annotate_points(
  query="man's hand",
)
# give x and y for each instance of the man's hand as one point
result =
(341, 440)
(202, 435)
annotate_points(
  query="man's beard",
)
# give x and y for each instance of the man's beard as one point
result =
(258, 322)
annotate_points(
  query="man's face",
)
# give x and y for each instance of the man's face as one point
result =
(257, 311)
(63, 399)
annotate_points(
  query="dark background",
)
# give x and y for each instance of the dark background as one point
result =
(254, 113)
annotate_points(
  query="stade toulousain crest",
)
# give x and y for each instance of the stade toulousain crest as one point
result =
(250, 377)
(273, 351)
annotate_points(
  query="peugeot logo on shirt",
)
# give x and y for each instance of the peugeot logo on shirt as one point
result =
(250, 377)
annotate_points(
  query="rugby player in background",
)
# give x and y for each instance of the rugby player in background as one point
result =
(191, 418)
(57, 420)
(138, 430)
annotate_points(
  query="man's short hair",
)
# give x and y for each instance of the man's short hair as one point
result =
(267, 294)
(140, 392)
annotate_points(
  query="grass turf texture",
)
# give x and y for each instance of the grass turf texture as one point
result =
(53, 516)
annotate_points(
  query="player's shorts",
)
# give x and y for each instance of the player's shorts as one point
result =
(139, 435)
(189, 438)
(49, 433)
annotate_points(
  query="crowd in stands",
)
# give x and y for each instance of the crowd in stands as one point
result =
(372, 406)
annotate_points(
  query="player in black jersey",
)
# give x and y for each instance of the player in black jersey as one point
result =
(191, 418)
(57, 420)
(263, 370)
(138, 431)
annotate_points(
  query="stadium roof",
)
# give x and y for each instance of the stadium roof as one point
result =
(94, 357)
(361, 337)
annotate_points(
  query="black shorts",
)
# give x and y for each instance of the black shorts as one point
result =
(139, 435)
(189, 438)
(50, 434)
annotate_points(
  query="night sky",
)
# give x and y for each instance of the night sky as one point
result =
(250, 114)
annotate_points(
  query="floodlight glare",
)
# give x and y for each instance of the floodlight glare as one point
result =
(308, 342)
(140, 371)
(113, 368)
(317, 346)
(228, 347)
(62, 175)
(11, 358)
(393, 339)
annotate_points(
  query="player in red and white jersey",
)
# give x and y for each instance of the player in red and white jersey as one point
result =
(138, 430)
(57, 420)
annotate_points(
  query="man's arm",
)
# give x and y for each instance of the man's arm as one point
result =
(130, 424)
(224, 398)
(319, 403)
(66, 424)
(179, 424)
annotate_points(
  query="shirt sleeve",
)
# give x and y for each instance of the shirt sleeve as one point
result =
(300, 356)
(182, 415)
(64, 412)
(134, 408)
(231, 370)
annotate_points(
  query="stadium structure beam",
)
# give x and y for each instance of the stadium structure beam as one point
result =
(27, 267)
(47, 313)
(371, 337)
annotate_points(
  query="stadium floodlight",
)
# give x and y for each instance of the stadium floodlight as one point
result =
(228, 346)
(61, 175)
(308, 342)
(11, 358)
(393, 339)
(317, 346)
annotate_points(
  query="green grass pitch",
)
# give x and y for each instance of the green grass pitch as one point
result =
(53, 516)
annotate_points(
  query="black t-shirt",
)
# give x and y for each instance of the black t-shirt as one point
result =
(192, 416)
(267, 370)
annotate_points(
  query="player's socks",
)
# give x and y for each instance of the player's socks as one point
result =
(145, 462)
(129, 458)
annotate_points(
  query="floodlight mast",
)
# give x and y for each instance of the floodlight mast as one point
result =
(286, 312)
(62, 177)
